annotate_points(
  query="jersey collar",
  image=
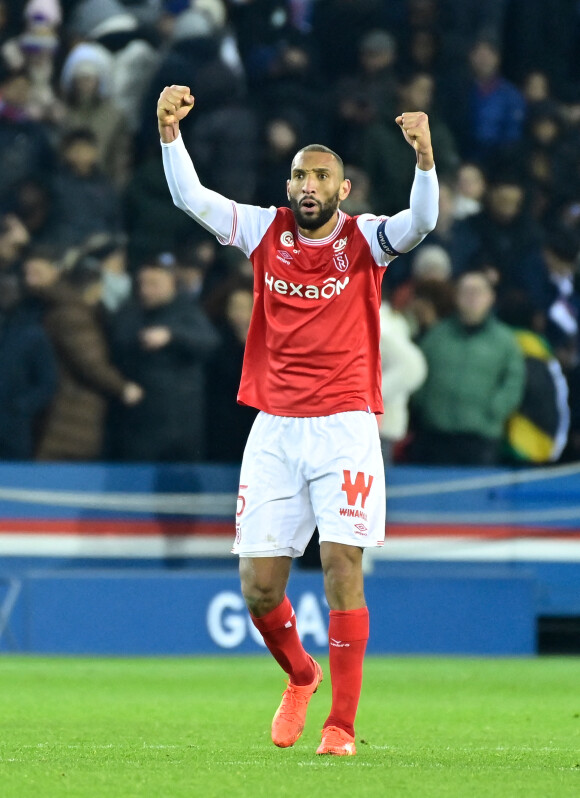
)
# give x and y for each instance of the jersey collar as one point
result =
(319, 242)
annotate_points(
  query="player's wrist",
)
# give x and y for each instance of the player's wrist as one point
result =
(168, 133)
(425, 160)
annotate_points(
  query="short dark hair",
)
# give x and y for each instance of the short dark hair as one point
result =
(321, 148)
(166, 261)
(82, 134)
(52, 252)
(563, 242)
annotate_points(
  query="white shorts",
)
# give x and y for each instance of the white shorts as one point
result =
(298, 473)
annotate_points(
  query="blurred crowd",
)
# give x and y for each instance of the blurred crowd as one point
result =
(122, 323)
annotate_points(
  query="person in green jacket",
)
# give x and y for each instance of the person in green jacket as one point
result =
(475, 381)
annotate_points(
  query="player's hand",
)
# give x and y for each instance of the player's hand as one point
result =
(415, 128)
(174, 104)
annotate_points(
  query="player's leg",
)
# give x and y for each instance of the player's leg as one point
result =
(349, 501)
(343, 576)
(274, 523)
(348, 632)
(264, 582)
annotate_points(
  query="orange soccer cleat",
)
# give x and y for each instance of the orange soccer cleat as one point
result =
(336, 741)
(288, 722)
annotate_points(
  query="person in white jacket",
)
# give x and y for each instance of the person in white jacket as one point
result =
(404, 369)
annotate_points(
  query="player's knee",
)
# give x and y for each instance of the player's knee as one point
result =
(343, 577)
(261, 593)
(261, 599)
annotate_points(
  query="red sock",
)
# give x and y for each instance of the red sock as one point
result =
(348, 632)
(278, 628)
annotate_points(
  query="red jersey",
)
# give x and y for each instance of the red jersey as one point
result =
(313, 342)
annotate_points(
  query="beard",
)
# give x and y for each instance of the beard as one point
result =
(314, 220)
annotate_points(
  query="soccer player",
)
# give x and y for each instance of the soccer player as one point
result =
(312, 367)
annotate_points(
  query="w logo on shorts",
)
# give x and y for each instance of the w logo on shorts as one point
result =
(357, 488)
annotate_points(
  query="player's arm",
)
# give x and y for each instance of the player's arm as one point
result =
(403, 231)
(408, 228)
(231, 223)
(208, 208)
(415, 129)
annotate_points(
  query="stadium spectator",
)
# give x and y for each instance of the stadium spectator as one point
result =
(32, 203)
(475, 381)
(292, 87)
(367, 95)
(25, 147)
(463, 23)
(132, 42)
(430, 295)
(536, 88)
(201, 268)
(152, 222)
(108, 254)
(487, 112)
(282, 137)
(338, 26)
(470, 185)
(541, 36)
(14, 237)
(86, 201)
(225, 134)
(559, 297)
(358, 201)
(503, 234)
(228, 423)
(162, 340)
(85, 84)
(383, 153)
(35, 51)
(404, 370)
(537, 431)
(540, 157)
(73, 428)
(28, 372)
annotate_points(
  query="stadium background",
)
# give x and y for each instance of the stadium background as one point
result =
(493, 554)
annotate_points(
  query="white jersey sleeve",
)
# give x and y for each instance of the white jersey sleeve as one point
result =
(394, 235)
(242, 226)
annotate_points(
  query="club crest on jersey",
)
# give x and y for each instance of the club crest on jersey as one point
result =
(340, 244)
(341, 262)
(287, 239)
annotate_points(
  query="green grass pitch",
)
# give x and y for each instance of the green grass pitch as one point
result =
(170, 728)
